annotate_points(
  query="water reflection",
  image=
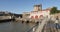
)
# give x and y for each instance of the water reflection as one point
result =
(15, 27)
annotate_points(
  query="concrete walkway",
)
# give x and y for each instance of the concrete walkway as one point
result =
(41, 25)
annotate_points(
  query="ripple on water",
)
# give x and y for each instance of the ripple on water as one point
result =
(15, 27)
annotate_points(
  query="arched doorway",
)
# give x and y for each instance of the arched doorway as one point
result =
(40, 16)
(32, 17)
(36, 17)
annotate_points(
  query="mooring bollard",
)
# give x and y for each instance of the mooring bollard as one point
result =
(22, 21)
(27, 21)
(37, 22)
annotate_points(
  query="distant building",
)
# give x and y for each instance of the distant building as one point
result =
(37, 12)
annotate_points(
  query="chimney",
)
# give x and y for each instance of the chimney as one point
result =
(37, 8)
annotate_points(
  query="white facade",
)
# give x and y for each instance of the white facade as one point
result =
(39, 13)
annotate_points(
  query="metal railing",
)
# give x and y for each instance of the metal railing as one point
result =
(51, 26)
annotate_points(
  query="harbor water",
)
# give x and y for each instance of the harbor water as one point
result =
(25, 27)
(15, 26)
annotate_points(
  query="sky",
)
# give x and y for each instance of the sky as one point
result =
(20, 6)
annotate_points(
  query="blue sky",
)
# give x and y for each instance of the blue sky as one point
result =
(20, 6)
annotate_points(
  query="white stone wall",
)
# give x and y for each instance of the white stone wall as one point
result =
(38, 13)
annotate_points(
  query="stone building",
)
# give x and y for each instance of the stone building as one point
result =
(37, 12)
(37, 8)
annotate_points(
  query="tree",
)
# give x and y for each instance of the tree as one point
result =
(53, 10)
